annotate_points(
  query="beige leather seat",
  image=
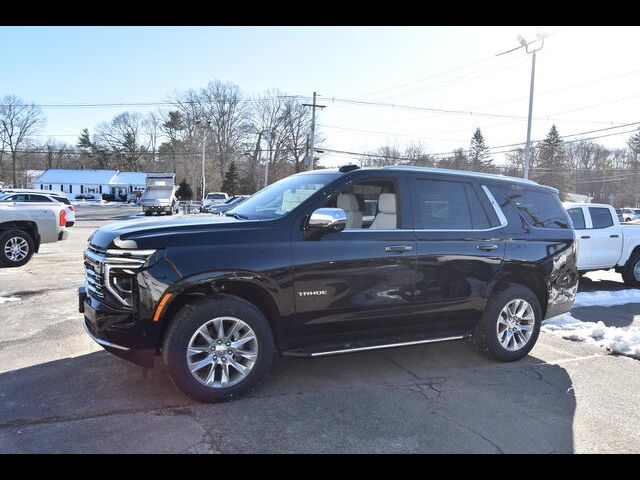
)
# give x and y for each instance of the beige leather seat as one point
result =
(349, 203)
(386, 217)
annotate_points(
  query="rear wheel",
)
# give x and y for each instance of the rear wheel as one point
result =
(218, 348)
(16, 248)
(510, 325)
(631, 274)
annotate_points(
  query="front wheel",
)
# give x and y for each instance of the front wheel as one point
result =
(631, 274)
(510, 325)
(16, 248)
(218, 348)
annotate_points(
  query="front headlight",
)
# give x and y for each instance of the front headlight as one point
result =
(120, 269)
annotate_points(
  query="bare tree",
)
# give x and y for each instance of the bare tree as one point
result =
(18, 121)
(124, 138)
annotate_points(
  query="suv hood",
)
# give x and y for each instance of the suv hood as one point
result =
(155, 233)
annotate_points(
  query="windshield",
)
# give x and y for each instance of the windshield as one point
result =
(215, 196)
(278, 199)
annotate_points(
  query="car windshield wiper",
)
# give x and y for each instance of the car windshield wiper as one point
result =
(236, 215)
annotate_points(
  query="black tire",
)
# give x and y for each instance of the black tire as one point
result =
(486, 333)
(5, 237)
(628, 275)
(189, 319)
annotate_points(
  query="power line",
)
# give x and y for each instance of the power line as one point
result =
(148, 104)
(373, 155)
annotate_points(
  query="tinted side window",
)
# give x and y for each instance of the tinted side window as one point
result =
(442, 205)
(38, 198)
(479, 219)
(539, 209)
(577, 218)
(600, 217)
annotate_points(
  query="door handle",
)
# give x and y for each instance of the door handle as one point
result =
(614, 236)
(487, 247)
(585, 237)
(398, 248)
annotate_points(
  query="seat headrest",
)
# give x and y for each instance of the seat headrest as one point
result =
(348, 202)
(387, 203)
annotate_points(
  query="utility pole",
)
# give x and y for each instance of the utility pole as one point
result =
(313, 128)
(540, 36)
(270, 134)
(204, 143)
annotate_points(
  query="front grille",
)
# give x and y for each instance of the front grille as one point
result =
(94, 272)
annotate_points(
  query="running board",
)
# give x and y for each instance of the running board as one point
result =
(373, 347)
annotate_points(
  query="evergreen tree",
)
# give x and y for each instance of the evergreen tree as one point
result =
(479, 157)
(553, 163)
(230, 183)
(184, 191)
(634, 146)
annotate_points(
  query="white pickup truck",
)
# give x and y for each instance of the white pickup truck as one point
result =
(23, 227)
(604, 243)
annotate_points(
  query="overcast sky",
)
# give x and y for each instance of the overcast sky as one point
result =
(586, 78)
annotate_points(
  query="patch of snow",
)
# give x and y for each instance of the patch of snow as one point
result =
(8, 299)
(604, 298)
(614, 339)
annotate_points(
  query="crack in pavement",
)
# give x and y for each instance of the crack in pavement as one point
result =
(29, 422)
(468, 428)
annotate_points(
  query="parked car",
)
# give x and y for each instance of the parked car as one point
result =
(88, 196)
(43, 198)
(619, 214)
(449, 255)
(226, 206)
(24, 227)
(214, 198)
(630, 214)
(604, 243)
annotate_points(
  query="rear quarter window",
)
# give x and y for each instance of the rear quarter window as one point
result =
(538, 208)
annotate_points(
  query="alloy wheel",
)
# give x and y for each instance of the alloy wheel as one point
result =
(515, 324)
(16, 249)
(222, 352)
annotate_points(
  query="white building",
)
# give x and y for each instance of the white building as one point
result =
(92, 182)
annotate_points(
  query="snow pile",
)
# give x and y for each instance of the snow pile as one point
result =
(614, 339)
(607, 299)
(8, 299)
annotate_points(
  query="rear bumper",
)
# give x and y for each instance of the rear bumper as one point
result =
(116, 331)
(156, 208)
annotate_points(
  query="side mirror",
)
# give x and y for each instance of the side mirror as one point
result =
(324, 220)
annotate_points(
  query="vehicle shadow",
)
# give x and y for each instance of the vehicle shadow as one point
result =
(612, 316)
(428, 398)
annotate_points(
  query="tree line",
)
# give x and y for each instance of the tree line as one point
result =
(241, 132)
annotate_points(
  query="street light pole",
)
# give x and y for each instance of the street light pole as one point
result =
(540, 36)
(270, 134)
(527, 146)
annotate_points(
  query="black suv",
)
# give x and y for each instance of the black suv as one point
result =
(328, 262)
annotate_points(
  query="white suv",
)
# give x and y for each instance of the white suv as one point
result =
(39, 196)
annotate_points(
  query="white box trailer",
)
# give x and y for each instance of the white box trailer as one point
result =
(160, 194)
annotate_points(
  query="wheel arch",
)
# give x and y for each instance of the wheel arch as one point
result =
(25, 225)
(252, 289)
(533, 281)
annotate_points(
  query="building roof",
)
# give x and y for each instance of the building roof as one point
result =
(98, 177)
(129, 178)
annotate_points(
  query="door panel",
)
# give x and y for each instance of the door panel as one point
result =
(605, 244)
(456, 262)
(354, 284)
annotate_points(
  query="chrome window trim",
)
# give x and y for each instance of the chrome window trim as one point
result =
(496, 207)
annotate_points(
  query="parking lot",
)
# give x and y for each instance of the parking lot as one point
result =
(60, 392)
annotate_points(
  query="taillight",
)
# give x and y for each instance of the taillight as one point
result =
(63, 218)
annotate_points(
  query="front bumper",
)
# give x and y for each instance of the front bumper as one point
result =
(116, 331)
